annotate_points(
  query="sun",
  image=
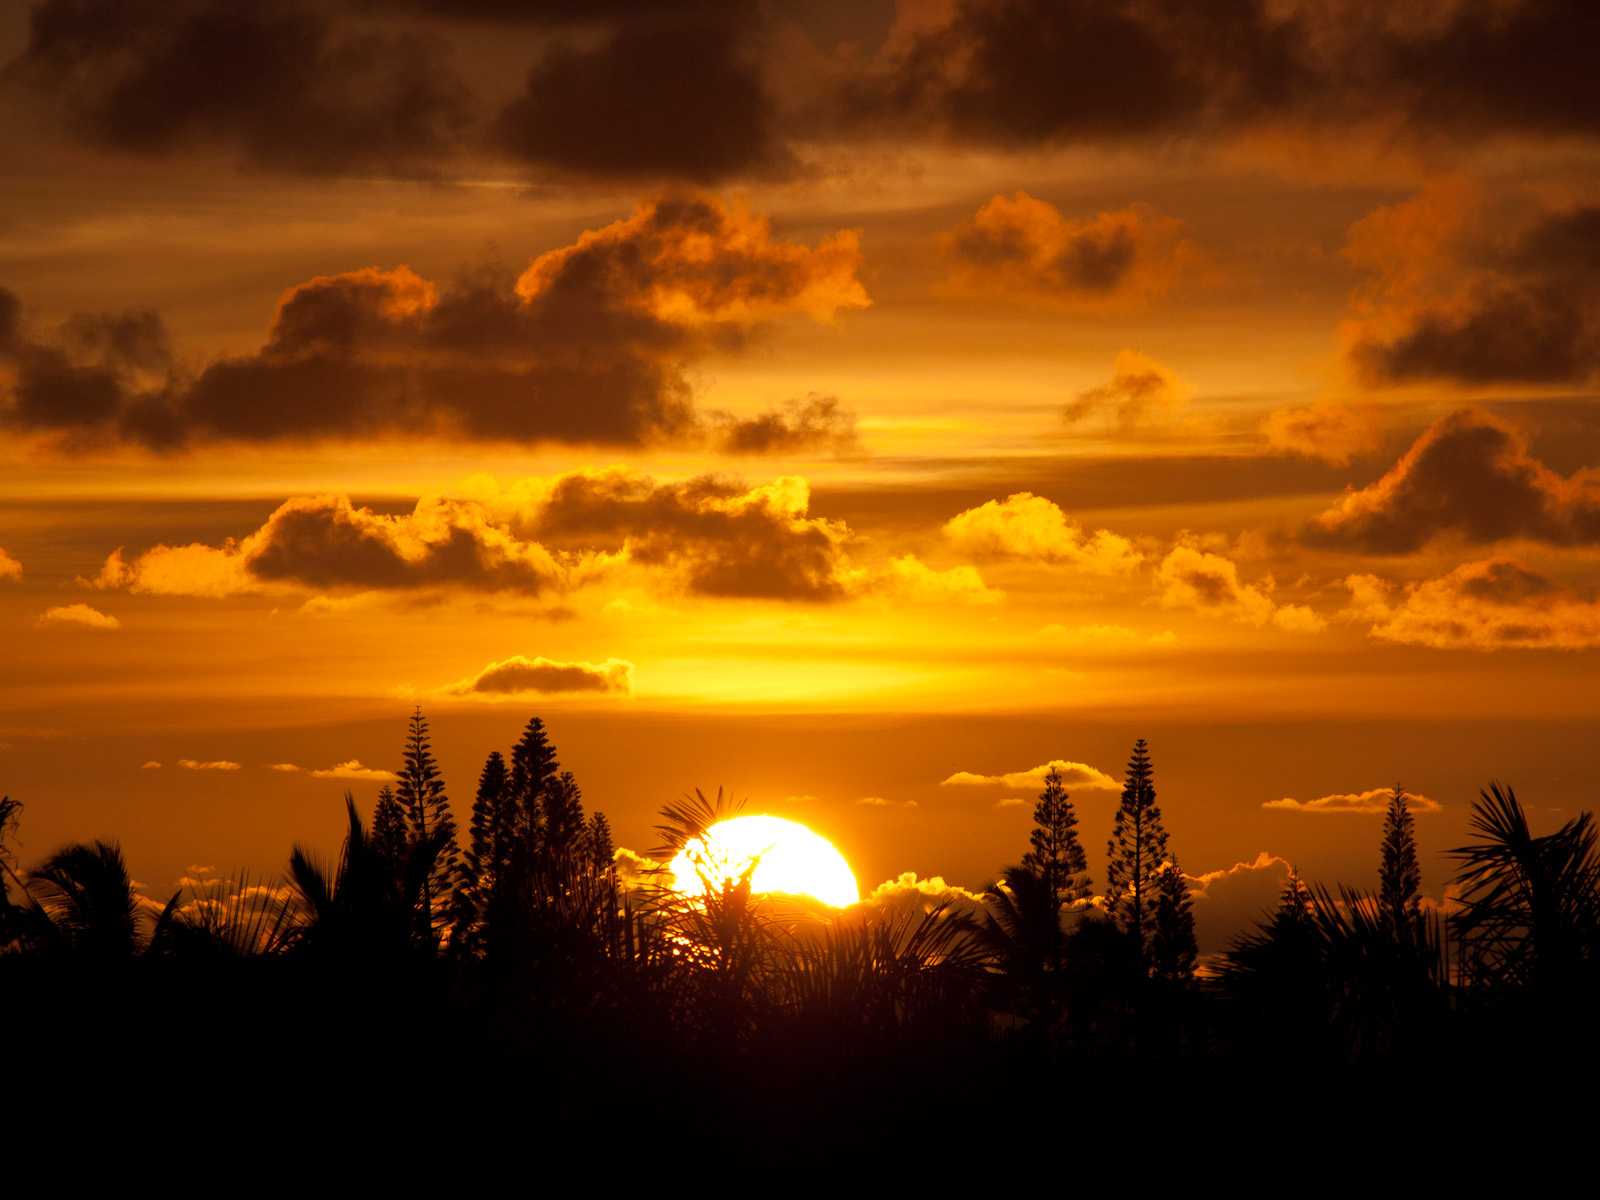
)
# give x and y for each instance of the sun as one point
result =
(788, 858)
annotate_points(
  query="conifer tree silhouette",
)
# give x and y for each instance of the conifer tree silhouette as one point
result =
(1173, 952)
(1137, 850)
(422, 798)
(1057, 856)
(1400, 879)
(389, 835)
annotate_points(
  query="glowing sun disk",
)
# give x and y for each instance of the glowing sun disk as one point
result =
(788, 857)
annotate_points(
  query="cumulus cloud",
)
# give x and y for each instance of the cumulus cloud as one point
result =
(1490, 605)
(589, 346)
(682, 100)
(1025, 248)
(1470, 475)
(1073, 775)
(1208, 583)
(10, 568)
(1328, 430)
(908, 895)
(152, 765)
(221, 764)
(354, 770)
(517, 676)
(78, 614)
(1026, 526)
(1457, 299)
(1231, 899)
(881, 802)
(1140, 390)
(816, 423)
(1374, 800)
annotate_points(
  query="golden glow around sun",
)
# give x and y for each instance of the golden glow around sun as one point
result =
(788, 858)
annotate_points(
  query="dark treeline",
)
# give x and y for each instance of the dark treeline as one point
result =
(528, 971)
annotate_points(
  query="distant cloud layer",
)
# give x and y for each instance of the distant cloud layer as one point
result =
(589, 346)
(517, 676)
(1470, 475)
(1374, 800)
(1073, 775)
(221, 764)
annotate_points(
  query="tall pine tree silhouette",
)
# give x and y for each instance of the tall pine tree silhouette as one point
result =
(1137, 850)
(427, 811)
(1057, 856)
(1399, 877)
(1173, 951)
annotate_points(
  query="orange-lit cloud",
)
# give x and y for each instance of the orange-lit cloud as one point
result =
(354, 770)
(519, 676)
(10, 568)
(816, 423)
(78, 614)
(1073, 775)
(909, 895)
(1026, 526)
(590, 346)
(880, 802)
(221, 764)
(1233, 898)
(1469, 475)
(1374, 800)
(1327, 430)
(1140, 391)
(1023, 248)
(1208, 583)
(1491, 605)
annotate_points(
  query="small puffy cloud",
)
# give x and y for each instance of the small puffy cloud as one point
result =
(881, 802)
(1012, 802)
(1140, 391)
(1374, 800)
(1025, 526)
(517, 676)
(78, 614)
(10, 568)
(910, 895)
(1495, 604)
(152, 765)
(1327, 430)
(1230, 900)
(285, 767)
(1022, 248)
(221, 764)
(1208, 583)
(354, 770)
(636, 870)
(1073, 775)
(815, 424)
(1469, 475)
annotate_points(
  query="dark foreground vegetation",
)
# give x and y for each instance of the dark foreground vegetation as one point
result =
(524, 976)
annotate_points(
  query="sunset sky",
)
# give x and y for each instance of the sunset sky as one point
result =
(858, 405)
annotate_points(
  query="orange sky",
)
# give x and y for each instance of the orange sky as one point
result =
(819, 399)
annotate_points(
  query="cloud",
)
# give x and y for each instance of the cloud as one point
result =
(10, 568)
(908, 579)
(816, 423)
(909, 895)
(589, 346)
(1470, 475)
(1495, 604)
(1208, 583)
(1023, 248)
(152, 765)
(1030, 527)
(189, 764)
(354, 770)
(1230, 900)
(1141, 390)
(1073, 775)
(1327, 430)
(281, 84)
(880, 802)
(1457, 300)
(519, 676)
(679, 100)
(1375, 800)
(284, 767)
(78, 614)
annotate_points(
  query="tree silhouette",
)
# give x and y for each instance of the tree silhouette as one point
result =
(1057, 856)
(1137, 849)
(1400, 879)
(1172, 946)
(389, 834)
(422, 798)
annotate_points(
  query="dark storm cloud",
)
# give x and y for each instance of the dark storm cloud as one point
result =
(681, 102)
(1022, 72)
(589, 346)
(286, 84)
(816, 423)
(1469, 475)
(1527, 312)
(518, 675)
(724, 539)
